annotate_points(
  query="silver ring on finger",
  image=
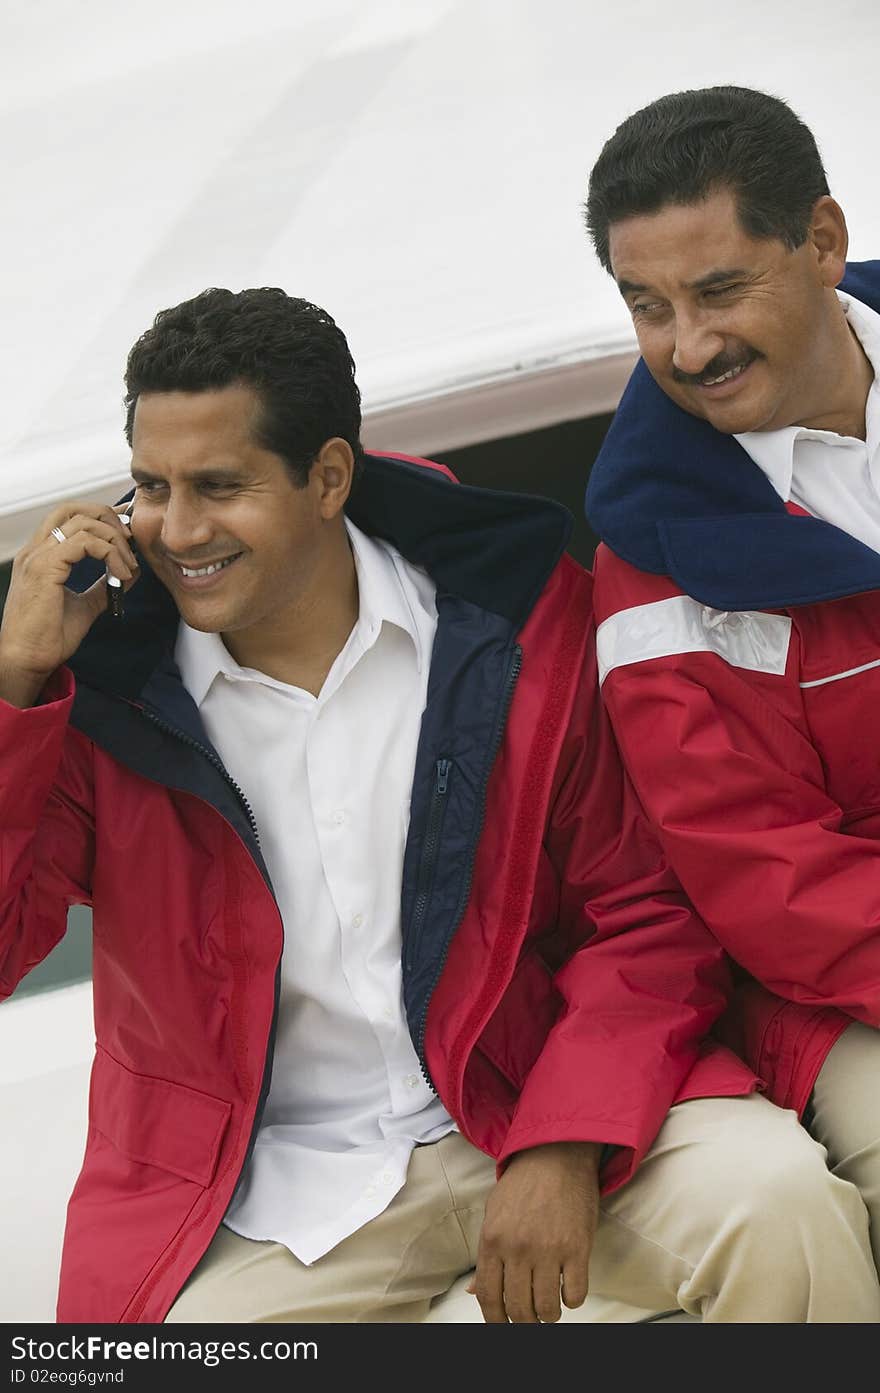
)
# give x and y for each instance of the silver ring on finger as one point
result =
(58, 534)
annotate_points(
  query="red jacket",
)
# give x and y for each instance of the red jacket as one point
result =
(557, 984)
(747, 738)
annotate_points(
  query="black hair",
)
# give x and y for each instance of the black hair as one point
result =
(289, 350)
(685, 146)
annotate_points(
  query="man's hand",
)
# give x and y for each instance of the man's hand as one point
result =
(43, 622)
(538, 1232)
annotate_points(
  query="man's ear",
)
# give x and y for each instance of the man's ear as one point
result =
(829, 238)
(332, 474)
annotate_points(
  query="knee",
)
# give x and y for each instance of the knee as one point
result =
(789, 1201)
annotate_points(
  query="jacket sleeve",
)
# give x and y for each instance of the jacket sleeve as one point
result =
(721, 758)
(46, 829)
(642, 980)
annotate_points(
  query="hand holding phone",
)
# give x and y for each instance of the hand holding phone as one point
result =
(43, 620)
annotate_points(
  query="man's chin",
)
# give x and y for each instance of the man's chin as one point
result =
(208, 613)
(731, 421)
(205, 617)
(204, 626)
(727, 417)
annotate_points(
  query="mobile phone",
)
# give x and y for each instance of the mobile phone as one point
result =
(115, 590)
(115, 597)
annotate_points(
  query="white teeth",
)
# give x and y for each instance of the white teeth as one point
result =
(208, 570)
(725, 376)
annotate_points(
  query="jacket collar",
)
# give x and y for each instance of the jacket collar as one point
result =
(673, 496)
(495, 550)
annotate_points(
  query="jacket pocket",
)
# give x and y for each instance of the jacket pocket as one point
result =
(157, 1122)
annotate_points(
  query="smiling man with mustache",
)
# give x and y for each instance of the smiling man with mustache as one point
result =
(738, 587)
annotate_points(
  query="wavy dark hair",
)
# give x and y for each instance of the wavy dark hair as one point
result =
(289, 350)
(686, 145)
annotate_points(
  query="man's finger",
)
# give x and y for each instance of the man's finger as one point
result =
(119, 558)
(575, 1284)
(489, 1290)
(545, 1292)
(79, 526)
(65, 513)
(518, 1297)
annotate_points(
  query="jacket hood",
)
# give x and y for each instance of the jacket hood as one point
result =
(672, 495)
(491, 548)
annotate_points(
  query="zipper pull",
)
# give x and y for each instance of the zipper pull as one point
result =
(443, 768)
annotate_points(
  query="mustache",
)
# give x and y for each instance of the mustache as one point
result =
(716, 367)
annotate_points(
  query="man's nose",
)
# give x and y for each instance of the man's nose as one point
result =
(696, 344)
(185, 526)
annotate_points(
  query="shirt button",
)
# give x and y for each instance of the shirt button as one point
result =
(387, 1177)
(370, 1191)
(412, 1081)
(387, 1013)
(339, 817)
(357, 921)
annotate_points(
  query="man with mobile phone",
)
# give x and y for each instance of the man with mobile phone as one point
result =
(391, 979)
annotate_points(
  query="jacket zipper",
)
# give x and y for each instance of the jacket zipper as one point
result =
(430, 849)
(513, 672)
(212, 759)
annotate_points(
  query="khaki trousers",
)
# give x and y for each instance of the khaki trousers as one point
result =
(846, 1117)
(736, 1214)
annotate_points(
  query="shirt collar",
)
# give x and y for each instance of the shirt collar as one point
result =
(773, 450)
(386, 594)
(383, 594)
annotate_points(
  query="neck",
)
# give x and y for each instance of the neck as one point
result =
(845, 380)
(300, 645)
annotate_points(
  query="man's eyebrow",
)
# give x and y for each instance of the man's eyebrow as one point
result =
(217, 474)
(735, 273)
(719, 277)
(630, 288)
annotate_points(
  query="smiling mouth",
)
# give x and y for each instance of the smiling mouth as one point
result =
(194, 573)
(725, 376)
(719, 382)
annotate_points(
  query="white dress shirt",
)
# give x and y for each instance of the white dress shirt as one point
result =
(834, 477)
(329, 780)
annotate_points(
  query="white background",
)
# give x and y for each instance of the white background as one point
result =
(416, 166)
